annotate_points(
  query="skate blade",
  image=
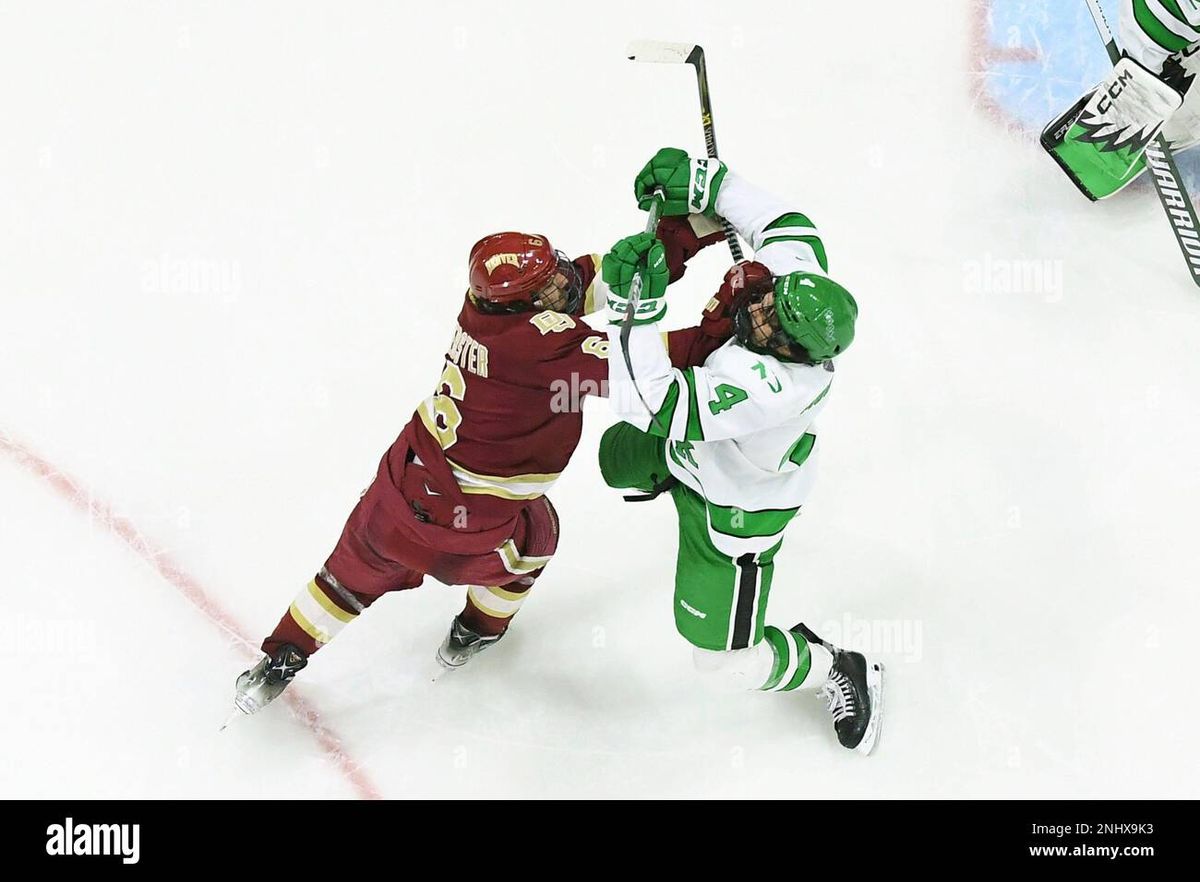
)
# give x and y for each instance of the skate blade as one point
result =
(442, 667)
(237, 712)
(243, 706)
(870, 739)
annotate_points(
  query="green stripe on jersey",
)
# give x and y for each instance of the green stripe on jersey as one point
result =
(800, 451)
(742, 524)
(1156, 30)
(790, 227)
(791, 219)
(813, 242)
(1172, 6)
(661, 424)
(694, 431)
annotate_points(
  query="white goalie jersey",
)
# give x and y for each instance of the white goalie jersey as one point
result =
(740, 428)
(1153, 31)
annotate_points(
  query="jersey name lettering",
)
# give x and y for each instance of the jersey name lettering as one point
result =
(468, 353)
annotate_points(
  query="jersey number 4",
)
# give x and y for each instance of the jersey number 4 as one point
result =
(727, 397)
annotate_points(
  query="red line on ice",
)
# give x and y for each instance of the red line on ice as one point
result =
(75, 493)
(984, 53)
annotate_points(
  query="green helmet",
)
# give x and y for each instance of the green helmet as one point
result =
(814, 313)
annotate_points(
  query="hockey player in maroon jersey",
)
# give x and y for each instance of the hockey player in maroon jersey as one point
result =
(461, 494)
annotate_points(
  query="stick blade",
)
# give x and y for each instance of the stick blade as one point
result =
(659, 52)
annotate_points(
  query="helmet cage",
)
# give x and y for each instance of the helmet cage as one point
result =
(751, 324)
(561, 298)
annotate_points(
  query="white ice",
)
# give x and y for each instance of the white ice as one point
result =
(232, 247)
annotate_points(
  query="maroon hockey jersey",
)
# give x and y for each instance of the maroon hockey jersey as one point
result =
(505, 418)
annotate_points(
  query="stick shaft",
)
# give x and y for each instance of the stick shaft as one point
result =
(635, 287)
(696, 60)
(1168, 184)
(1106, 34)
(635, 297)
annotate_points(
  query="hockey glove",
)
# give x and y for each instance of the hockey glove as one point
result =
(689, 186)
(1182, 130)
(684, 237)
(743, 280)
(621, 266)
(1101, 140)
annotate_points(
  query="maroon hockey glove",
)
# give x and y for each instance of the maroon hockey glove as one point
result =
(681, 243)
(743, 279)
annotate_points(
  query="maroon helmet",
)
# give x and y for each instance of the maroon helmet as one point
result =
(507, 267)
(514, 269)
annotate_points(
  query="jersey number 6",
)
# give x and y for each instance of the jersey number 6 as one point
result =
(449, 416)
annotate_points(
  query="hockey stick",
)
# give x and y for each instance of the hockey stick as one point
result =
(687, 53)
(635, 297)
(1171, 193)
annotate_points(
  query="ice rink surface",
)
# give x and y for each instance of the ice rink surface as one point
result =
(232, 248)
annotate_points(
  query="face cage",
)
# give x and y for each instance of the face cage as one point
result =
(568, 298)
(749, 323)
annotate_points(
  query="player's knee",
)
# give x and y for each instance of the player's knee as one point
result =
(631, 458)
(614, 467)
(733, 670)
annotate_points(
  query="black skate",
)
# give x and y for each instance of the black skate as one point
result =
(462, 644)
(853, 693)
(259, 686)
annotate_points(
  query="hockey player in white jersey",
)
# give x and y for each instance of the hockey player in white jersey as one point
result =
(733, 440)
(1101, 140)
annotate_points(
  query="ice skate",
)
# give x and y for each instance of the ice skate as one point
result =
(853, 693)
(262, 684)
(462, 644)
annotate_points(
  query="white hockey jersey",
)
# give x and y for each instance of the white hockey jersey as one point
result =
(740, 428)
(1153, 31)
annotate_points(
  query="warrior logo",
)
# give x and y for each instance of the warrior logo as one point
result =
(1177, 206)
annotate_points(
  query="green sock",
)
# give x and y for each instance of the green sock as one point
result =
(792, 660)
